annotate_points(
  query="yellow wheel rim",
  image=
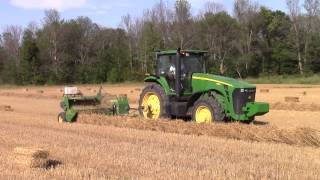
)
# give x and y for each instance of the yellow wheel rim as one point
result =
(60, 119)
(203, 115)
(151, 106)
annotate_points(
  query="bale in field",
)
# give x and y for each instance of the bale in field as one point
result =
(264, 90)
(5, 108)
(31, 157)
(291, 99)
(40, 91)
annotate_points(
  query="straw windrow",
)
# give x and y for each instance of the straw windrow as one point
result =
(295, 136)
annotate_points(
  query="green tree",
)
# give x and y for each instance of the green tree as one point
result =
(183, 25)
(314, 52)
(247, 14)
(50, 46)
(150, 41)
(218, 34)
(30, 63)
(275, 42)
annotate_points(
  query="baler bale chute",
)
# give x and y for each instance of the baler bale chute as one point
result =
(74, 102)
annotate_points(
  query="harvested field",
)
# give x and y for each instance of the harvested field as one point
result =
(284, 144)
(32, 152)
(295, 106)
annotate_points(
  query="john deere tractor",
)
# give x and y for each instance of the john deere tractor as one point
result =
(181, 88)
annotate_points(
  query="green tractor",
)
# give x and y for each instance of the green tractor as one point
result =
(181, 88)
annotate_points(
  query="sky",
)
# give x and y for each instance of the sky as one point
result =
(107, 13)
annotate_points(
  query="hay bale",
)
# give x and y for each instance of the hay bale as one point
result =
(5, 108)
(31, 157)
(26, 89)
(264, 90)
(292, 99)
(40, 91)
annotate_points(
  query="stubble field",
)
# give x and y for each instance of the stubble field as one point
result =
(284, 144)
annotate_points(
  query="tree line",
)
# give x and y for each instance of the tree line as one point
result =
(251, 41)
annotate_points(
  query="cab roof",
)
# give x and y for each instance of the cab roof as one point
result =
(172, 52)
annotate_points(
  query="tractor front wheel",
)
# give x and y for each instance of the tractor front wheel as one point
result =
(62, 117)
(153, 102)
(208, 110)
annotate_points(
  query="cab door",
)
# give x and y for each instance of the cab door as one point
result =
(167, 69)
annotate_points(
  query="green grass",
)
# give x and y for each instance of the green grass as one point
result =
(292, 79)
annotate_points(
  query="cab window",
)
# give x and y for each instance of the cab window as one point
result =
(166, 65)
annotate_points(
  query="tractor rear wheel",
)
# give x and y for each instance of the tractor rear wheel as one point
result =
(153, 103)
(62, 117)
(208, 110)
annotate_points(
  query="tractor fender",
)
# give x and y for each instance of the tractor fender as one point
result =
(161, 81)
(210, 92)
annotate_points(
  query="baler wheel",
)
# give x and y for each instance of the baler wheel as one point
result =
(62, 117)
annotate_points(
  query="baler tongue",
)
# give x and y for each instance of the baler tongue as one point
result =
(75, 102)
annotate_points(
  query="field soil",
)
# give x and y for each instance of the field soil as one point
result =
(284, 144)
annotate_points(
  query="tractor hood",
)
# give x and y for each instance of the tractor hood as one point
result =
(222, 80)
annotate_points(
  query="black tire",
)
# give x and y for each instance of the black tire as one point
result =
(213, 105)
(164, 100)
(249, 121)
(62, 117)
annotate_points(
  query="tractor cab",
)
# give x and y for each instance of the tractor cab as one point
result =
(177, 67)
